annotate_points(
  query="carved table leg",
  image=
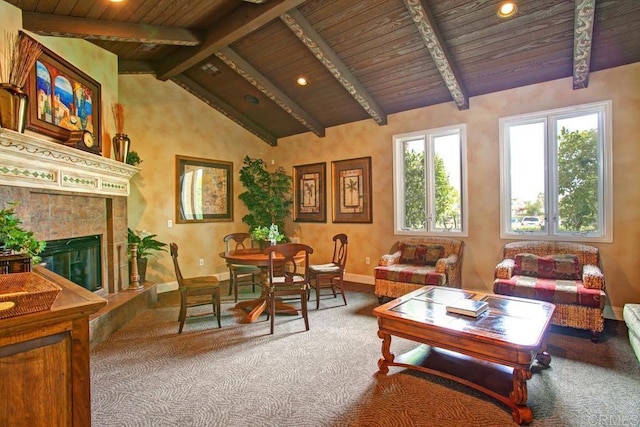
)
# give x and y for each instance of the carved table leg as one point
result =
(521, 413)
(387, 356)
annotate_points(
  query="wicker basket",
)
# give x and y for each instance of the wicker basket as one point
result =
(23, 293)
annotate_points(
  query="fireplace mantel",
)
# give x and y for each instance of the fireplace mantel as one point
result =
(29, 161)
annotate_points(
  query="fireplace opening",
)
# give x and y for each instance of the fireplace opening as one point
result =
(77, 259)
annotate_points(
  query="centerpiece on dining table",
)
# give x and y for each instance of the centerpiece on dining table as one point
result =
(266, 236)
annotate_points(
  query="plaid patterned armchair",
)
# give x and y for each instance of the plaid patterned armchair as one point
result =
(563, 273)
(415, 262)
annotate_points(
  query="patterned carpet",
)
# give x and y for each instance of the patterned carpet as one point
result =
(148, 375)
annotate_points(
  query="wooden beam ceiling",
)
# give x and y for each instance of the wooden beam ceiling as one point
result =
(582, 38)
(330, 60)
(430, 34)
(244, 21)
(93, 29)
(250, 74)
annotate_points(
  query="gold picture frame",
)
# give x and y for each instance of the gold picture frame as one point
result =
(310, 193)
(351, 188)
(204, 190)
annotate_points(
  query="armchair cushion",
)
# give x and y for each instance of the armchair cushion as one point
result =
(562, 266)
(420, 254)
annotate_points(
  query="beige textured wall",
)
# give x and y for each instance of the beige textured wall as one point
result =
(162, 121)
(483, 246)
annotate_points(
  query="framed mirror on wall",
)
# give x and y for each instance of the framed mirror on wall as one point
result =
(204, 190)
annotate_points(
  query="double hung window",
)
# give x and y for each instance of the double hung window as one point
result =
(556, 174)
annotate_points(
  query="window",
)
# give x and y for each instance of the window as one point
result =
(430, 182)
(556, 174)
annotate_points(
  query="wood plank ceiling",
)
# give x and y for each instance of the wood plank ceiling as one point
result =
(363, 60)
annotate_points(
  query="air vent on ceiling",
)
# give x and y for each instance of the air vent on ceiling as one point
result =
(210, 69)
(147, 47)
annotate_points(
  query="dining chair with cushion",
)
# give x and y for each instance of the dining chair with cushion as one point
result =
(241, 275)
(195, 291)
(330, 275)
(288, 276)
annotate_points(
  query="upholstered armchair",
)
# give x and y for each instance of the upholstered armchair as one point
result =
(415, 262)
(563, 273)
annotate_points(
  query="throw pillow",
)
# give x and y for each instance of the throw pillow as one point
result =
(421, 254)
(562, 266)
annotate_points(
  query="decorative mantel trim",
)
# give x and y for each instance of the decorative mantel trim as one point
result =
(28, 161)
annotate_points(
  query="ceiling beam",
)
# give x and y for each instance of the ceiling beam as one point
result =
(225, 109)
(327, 57)
(582, 38)
(47, 24)
(135, 67)
(250, 74)
(246, 19)
(430, 34)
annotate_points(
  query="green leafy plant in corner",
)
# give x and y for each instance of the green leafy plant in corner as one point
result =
(268, 196)
(16, 239)
(146, 241)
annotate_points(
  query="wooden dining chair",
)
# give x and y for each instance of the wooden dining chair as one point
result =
(195, 291)
(288, 277)
(241, 275)
(330, 275)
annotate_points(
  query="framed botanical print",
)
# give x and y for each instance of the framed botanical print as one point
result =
(204, 190)
(351, 188)
(310, 193)
(63, 100)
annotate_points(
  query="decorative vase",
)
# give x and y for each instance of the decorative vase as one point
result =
(121, 144)
(13, 107)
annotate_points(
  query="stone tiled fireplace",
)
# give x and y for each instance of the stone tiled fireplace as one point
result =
(66, 193)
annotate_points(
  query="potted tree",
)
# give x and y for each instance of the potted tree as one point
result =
(147, 245)
(16, 240)
(268, 195)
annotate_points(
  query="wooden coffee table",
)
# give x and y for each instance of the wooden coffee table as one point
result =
(492, 353)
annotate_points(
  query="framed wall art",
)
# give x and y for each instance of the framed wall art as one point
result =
(63, 100)
(204, 190)
(351, 188)
(310, 193)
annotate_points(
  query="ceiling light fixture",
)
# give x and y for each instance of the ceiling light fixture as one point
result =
(301, 81)
(116, 1)
(507, 9)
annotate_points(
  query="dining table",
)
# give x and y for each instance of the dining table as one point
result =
(257, 306)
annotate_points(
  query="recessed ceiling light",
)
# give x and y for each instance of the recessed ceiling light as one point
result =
(301, 81)
(507, 9)
(116, 1)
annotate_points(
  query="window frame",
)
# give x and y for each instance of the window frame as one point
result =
(550, 119)
(398, 180)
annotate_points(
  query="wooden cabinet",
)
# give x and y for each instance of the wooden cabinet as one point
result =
(44, 361)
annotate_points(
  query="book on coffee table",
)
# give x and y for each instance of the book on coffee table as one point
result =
(468, 307)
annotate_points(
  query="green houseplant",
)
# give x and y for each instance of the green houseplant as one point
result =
(268, 196)
(267, 235)
(15, 239)
(147, 245)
